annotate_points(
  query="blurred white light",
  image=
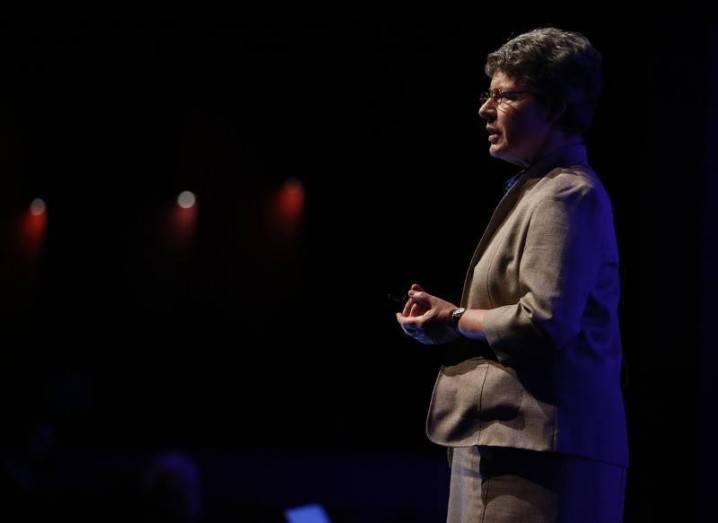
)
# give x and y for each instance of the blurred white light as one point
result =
(186, 199)
(38, 207)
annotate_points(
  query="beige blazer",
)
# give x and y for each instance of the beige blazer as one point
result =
(547, 378)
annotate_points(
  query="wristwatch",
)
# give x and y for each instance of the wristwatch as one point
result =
(456, 316)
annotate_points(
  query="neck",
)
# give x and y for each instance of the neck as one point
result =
(553, 142)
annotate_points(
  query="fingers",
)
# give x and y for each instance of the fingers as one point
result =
(406, 324)
(407, 307)
(413, 328)
(414, 289)
(414, 310)
(421, 297)
(411, 308)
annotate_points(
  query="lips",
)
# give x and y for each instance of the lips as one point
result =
(493, 134)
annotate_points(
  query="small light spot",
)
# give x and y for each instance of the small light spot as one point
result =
(186, 199)
(38, 207)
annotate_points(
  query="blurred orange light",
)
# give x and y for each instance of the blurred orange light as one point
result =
(34, 225)
(291, 202)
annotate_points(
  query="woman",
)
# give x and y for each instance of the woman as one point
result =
(533, 414)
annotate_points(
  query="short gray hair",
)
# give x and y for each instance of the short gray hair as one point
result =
(561, 68)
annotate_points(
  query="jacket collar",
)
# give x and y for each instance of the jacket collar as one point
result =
(569, 154)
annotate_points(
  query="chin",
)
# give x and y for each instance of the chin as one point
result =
(502, 154)
(496, 152)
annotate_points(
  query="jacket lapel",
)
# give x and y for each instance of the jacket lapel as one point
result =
(497, 218)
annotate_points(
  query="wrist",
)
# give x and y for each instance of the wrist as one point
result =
(455, 319)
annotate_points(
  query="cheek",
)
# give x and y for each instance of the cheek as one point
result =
(513, 132)
(521, 129)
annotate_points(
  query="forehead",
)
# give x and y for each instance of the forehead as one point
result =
(501, 80)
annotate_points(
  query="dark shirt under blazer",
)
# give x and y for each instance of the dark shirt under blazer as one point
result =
(547, 378)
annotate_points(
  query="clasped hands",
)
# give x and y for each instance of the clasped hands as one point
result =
(427, 318)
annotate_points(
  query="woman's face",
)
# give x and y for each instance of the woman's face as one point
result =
(519, 129)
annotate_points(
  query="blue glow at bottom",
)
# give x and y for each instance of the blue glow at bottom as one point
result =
(307, 514)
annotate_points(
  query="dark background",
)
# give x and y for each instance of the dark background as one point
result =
(262, 343)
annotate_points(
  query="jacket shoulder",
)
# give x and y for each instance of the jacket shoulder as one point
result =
(573, 182)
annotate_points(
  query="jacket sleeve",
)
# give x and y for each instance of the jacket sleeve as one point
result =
(558, 267)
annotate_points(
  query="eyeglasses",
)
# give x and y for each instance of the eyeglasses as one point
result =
(498, 96)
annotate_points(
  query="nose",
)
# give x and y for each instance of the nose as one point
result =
(487, 111)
